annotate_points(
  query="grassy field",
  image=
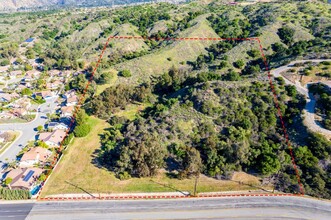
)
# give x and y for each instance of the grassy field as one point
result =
(78, 172)
(14, 135)
(17, 120)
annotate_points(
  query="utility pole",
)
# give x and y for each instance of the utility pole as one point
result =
(196, 184)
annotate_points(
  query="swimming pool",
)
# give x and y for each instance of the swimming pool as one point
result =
(35, 190)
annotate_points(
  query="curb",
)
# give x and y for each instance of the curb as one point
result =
(151, 197)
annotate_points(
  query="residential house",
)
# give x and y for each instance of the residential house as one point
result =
(34, 156)
(65, 74)
(7, 97)
(20, 87)
(69, 94)
(19, 112)
(54, 72)
(57, 126)
(31, 75)
(24, 178)
(53, 85)
(67, 111)
(16, 73)
(4, 69)
(72, 101)
(21, 103)
(44, 94)
(53, 139)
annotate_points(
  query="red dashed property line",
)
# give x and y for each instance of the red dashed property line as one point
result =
(132, 197)
(287, 141)
(155, 197)
(182, 38)
(74, 116)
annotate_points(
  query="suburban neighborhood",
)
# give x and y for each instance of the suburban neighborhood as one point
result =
(34, 98)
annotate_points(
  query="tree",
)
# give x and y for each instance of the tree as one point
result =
(40, 128)
(286, 34)
(4, 62)
(254, 53)
(81, 64)
(41, 144)
(30, 54)
(239, 64)
(81, 117)
(8, 181)
(232, 76)
(82, 130)
(291, 90)
(125, 73)
(28, 67)
(26, 91)
(19, 60)
(192, 164)
(319, 145)
(104, 78)
(269, 163)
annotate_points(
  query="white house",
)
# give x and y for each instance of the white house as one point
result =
(57, 126)
(35, 155)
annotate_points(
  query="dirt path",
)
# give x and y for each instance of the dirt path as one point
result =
(309, 112)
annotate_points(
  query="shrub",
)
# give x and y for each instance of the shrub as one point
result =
(239, 64)
(232, 76)
(125, 73)
(82, 130)
(16, 194)
(8, 181)
(124, 176)
(68, 139)
(286, 34)
(4, 63)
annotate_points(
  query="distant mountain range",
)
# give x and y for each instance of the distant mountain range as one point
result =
(16, 5)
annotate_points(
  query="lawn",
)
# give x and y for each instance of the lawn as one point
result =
(18, 120)
(77, 172)
(14, 135)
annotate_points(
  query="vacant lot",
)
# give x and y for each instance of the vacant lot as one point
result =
(77, 172)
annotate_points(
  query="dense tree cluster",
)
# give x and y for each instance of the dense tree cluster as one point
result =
(116, 98)
(323, 103)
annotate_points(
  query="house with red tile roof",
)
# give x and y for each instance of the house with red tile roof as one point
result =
(34, 156)
(53, 139)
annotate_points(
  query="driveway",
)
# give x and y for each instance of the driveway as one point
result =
(28, 132)
(309, 111)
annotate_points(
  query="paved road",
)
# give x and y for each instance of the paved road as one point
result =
(15, 211)
(239, 208)
(309, 112)
(28, 132)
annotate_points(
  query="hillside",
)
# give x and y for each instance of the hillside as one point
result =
(176, 54)
(14, 5)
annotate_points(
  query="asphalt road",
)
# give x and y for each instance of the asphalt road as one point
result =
(28, 132)
(238, 208)
(15, 211)
(309, 112)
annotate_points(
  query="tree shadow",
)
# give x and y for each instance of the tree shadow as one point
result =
(95, 160)
(171, 187)
(243, 183)
(80, 189)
